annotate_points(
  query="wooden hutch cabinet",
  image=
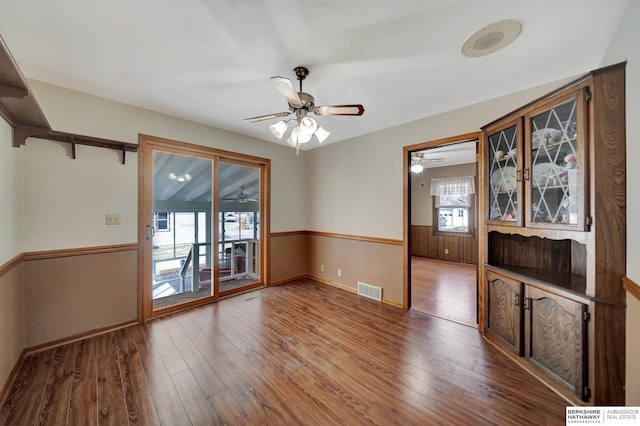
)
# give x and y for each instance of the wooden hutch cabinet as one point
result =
(552, 190)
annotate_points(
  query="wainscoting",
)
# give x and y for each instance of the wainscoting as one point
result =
(70, 292)
(461, 248)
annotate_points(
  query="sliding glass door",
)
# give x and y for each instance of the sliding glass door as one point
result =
(238, 226)
(200, 225)
(181, 229)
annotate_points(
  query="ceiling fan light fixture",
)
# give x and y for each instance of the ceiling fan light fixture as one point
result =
(417, 168)
(302, 103)
(298, 136)
(279, 129)
(308, 125)
(179, 178)
(322, 134)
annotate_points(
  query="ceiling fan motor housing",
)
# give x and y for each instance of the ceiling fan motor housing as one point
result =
(308, 102)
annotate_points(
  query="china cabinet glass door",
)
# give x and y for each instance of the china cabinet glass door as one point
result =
(554, 174)
(504, 175)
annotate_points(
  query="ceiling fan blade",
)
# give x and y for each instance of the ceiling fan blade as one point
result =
(355, 109)
(285, 86)
(267, 117)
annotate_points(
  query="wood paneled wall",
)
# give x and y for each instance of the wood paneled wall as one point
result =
(462, 248)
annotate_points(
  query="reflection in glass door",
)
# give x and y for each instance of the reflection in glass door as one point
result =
(203, 225)
(238, 226)
(182, 229)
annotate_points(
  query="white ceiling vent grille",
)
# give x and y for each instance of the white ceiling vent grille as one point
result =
(491, 38)
(370, 291)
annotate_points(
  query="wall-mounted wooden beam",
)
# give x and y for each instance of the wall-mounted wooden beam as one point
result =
(7, 91)
(17, 103)
(19, 108)
(21, 133)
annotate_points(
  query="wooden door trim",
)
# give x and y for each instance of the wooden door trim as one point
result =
(406, 225)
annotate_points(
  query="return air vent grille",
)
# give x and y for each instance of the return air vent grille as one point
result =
(370, 291)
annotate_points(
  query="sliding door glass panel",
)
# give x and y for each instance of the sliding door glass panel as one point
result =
(182, 224)
(238, 226)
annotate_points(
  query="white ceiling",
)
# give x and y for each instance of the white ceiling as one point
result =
(448, 155)
(210, 60)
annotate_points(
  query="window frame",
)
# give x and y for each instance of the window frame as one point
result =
(157, 220)
(471, 214)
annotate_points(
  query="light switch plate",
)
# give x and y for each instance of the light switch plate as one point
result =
(112, 218)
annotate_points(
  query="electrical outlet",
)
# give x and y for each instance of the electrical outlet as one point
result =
(339, 272)
(446, 251)
(112, 218)
(322, 267)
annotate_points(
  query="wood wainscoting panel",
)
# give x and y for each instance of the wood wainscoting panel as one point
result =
(288, 256)
(461, 248)
(66, 296)
(12, 318)
(374, 261)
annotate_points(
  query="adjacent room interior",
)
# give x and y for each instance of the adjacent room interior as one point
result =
(443, 219)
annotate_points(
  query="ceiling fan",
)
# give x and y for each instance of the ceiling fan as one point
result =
(301, 104)
(241, 197)
(418, 161)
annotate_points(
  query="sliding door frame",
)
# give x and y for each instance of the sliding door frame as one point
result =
(147, 144)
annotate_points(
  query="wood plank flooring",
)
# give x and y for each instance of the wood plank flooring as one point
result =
(445, 289)
(301, 353)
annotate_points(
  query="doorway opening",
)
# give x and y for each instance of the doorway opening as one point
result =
(440, 228)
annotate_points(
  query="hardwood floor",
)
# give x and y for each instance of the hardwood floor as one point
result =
(444, 289)
(298, 353)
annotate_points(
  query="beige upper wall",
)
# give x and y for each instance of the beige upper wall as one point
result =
(61, 188)
(421, 199)
(12, 295)
(11, 195)
(624, 46)
(355, 187)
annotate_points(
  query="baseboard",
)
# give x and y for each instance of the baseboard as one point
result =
(288, 280)
(11, 378)
(77, 337)
(351, 290)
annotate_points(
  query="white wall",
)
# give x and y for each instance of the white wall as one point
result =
(624, 46)
(12, 295)
(66, 200)
(421, 199)
(355, 187)
(10, 195)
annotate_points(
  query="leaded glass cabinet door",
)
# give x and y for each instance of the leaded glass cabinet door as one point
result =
(504, 174)
(555, 171)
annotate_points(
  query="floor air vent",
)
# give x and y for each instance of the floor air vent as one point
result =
(370, 291)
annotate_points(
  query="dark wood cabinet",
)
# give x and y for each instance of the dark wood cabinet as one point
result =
(504, 310)
(552, 188)
(548, 330)
(537, 165)
(556, 338)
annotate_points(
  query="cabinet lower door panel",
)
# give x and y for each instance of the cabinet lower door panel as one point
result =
(556, 338)
(504, 317)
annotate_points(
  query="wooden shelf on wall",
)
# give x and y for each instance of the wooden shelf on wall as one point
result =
(19, 108)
